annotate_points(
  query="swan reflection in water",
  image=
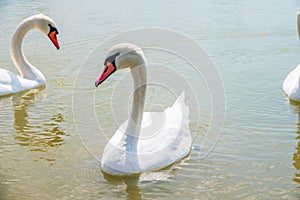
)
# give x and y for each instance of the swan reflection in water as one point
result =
(132, 188)
(296, 156)
(34, 131)
(133, 183)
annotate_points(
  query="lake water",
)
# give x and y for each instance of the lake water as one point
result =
(48, 152)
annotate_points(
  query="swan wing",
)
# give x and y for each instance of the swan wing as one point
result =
(6, 82)
(11, 83)
(167, 139)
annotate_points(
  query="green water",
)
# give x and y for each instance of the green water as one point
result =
(254, 45)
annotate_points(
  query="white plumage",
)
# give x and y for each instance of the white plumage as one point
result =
(148, 140)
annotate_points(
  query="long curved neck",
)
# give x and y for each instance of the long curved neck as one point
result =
(25, 68)
(139, 75)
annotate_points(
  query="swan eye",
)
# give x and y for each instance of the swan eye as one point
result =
(111, 59)
(52, 29)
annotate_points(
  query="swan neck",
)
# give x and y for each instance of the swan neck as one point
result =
(25, 69)
(139, 75)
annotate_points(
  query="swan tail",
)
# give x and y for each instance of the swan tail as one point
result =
(180, 106)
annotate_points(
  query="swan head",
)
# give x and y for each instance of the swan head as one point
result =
(47, 26)
(121, 56)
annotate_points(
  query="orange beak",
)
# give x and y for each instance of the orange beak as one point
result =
(53, 37)
(109, 70)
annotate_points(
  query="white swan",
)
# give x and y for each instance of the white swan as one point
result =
(30, 77)
(147, 141)
(291, 84)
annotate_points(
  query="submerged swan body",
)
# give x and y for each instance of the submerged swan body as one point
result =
(291, 84)
(30, 77)
(147, 141)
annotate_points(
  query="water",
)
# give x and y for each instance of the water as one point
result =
(253, 45)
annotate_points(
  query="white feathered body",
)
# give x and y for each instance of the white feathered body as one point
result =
(164, 139)
(12, 83)
(291, 85)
